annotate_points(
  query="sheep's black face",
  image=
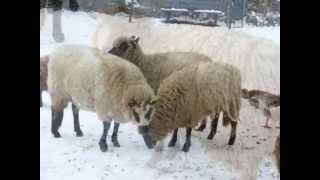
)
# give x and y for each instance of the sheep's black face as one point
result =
(141, 111)
(144, 131)
(125, 47)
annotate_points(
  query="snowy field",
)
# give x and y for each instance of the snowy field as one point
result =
(71, 157)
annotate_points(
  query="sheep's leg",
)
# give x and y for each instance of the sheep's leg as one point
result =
(214, 124)
(76, 123)
(187, 144)
(57, 116)
(114, 137)
(41, 104)
(173, 140)
(203, 125)
(233, 133)
(103, 140)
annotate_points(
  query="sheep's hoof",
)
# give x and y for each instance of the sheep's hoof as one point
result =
(56, 134)
(103, 146)
(172, 144)
(231, 140)
(79, 133)
(186, 147)
(115, 142)
(210, 136)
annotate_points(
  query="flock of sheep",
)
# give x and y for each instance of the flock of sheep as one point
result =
(158, 92)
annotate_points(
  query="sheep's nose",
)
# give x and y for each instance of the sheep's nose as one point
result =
(148, 140)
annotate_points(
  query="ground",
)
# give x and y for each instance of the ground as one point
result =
(72, 157)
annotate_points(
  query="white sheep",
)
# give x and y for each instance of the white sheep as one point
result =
(192, 93)
(158, 66)
(113, 88)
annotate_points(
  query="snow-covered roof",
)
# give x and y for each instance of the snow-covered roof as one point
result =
(173, 9)
(209, 11)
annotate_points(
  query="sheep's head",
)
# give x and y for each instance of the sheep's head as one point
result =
(148, 133)
(140, 111)
(125, 47)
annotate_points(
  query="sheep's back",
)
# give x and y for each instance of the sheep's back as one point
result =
(72, 72)
(219, 88)
(162, 65)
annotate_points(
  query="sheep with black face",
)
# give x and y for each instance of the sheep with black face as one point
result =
(113, 88)
(189, 95)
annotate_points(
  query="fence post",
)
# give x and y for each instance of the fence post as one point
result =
(244, 11)
(229, 14)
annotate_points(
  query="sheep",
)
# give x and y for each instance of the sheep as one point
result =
(189, 95)
(157, 67)
(113, 88)
(262, 100)
(43, 76)
(276, 152)
(44, 87)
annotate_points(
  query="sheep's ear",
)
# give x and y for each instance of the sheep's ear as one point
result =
(132, 103)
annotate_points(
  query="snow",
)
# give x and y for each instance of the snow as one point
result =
(209, 11)
(174, 9)
(72, 157)
(272, 33)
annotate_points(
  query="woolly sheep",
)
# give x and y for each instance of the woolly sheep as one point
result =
(156, 67)
(192, 93)
(262, 100)
(113, 88)
(43, 76)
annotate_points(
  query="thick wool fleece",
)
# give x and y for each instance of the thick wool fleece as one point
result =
(190, 94)
(157, 67)
(101, 84)
(44, 72)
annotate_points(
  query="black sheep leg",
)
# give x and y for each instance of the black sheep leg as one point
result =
(214, 124)
(203, 125)
(103, 140)
(114, 137)
(57, 116)
(173, 140)
(187, 144)
(233, 133)
(76, 123)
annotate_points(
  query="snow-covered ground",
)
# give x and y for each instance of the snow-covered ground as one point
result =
(71, 157)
